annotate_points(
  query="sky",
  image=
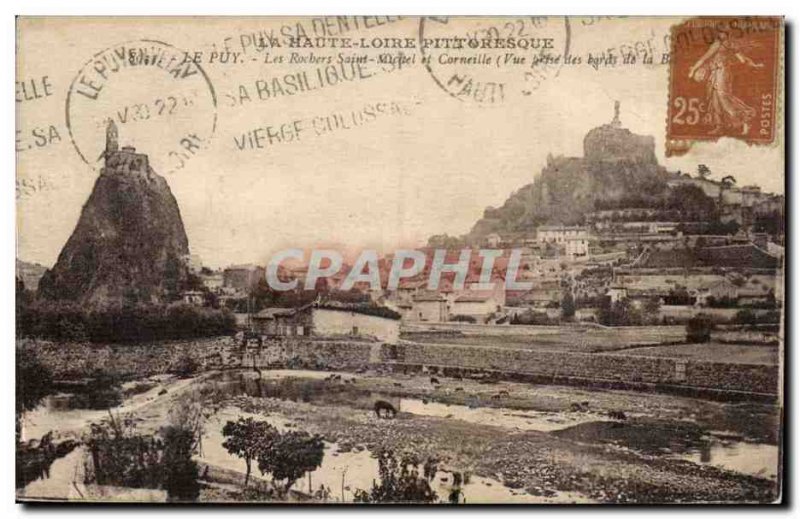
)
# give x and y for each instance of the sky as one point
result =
(418, 162)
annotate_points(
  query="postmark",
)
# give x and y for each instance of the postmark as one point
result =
(489, 61)
(724, 81)
(159, 98)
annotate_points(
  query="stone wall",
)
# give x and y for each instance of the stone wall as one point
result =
(128, 361)
(592, 366)
(80, 360)
(315, 353)
(68, 360)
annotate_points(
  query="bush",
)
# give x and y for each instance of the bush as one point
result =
(400, 481)
(530, 317)
(722, 302)
(184, 366)
(699, 328)
(122, 457)
(749, 317)
(629, 313)
(34, 380)
(458, 318)
(180, 471)
(567, 306)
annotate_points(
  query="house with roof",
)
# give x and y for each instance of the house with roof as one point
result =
(559, 234)
(431, 307)
(193, 297)
(478, 304)
(331, 319)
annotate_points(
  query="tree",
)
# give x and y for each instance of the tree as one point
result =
(180, 471)
(652, 308)
(290, 456)
(247, 439)
(400, 482)
(567, 306)
(703, 171)
(33, 382)
(699, 327)
(690, 199)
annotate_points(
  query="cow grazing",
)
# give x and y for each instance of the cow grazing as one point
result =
(384, 409)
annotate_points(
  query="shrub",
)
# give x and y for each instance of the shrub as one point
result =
(180, 471)
(530, 317)
(33, 380)
(620, 313)
(400, 481)
(699, 327)
(122, 457)
(567, 306)
(458, 318)
(749, 317)
(184, 366)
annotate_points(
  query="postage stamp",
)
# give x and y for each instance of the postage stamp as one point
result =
(724, 80)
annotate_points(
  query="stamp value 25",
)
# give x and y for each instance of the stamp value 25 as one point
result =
(724, 80)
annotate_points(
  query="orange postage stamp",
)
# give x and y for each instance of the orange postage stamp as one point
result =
(724, 74)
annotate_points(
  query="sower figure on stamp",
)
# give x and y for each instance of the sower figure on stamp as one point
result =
(715, 68)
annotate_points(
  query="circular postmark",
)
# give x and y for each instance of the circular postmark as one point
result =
(492, 60)
(161, 103)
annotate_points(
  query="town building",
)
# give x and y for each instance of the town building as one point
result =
(577, 247)
(242, 278)
(193, 297)
(330, 320)
(213, 281)
(478, 305)
(559, 234)
(493, 240)
(429, 307)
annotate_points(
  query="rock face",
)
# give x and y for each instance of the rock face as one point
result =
(616, 165)
(129, 243)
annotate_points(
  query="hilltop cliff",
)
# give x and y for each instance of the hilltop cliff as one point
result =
(616, 165)
(129, 242)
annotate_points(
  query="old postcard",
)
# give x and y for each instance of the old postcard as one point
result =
(383, 259)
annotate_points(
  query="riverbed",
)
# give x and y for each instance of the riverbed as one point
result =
(535, 450)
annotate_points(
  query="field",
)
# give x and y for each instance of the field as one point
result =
(565, 338)
(714, 351)
(655, 341)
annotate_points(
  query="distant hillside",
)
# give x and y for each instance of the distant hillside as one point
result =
(616, 165)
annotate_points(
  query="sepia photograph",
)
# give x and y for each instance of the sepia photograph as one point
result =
(407, 260)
